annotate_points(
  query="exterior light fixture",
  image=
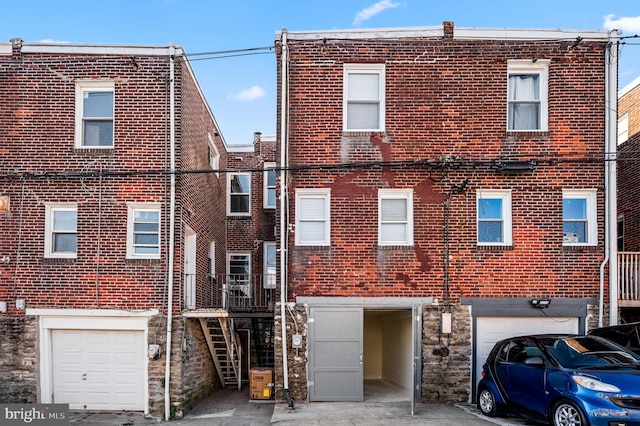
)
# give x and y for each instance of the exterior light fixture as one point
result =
(540, 303)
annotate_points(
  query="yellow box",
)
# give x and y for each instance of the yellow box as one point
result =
(261, 383)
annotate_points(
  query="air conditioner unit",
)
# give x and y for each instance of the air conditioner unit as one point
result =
(570, 237)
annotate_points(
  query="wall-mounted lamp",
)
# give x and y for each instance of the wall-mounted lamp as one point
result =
(540, 303)
(21, 304)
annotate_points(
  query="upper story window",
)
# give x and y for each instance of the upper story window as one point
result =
(494, 218)
(623, 128)
(395, 217)
(528, 95)
(143, 231)
(364, 97)
(269, 186)
(61, 230)
(313, 223)
(579, 218)
(214, 155)
(239, 194)
(269, 265)
(94, 114)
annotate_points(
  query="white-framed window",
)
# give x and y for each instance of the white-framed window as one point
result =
(313, 222)
(270, 186)
(95, 108)
(269, 254)
(364, 97)
(494, 217)
(214, 155)
(61, 230)
(579, 217)
(239, 194)
(143, 231)
(238, 276)
(212, 259)
(395, 217)
(623, 128)
(527, 95)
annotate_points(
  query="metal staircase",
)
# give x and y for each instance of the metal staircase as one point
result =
(225, 349)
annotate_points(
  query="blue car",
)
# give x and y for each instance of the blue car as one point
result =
(565, 380)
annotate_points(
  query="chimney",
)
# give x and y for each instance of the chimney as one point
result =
(448, 30)
(16, 48)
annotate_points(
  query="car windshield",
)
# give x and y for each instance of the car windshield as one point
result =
(588, 352)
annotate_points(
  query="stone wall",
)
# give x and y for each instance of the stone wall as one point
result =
(446, 371)
(19, 360)
(297, 358)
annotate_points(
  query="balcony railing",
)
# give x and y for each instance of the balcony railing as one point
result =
(629, 276)
(235, 292)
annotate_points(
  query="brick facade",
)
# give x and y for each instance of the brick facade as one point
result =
(444, 138)
(40, 164)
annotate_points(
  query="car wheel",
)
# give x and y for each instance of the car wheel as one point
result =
(567, 414)
(487, 403)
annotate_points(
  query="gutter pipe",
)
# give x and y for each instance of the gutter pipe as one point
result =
(283, 212)
(172, 225)
(611, 146)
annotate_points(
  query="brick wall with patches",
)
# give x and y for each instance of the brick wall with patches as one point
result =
(40, 164)
(444, 138)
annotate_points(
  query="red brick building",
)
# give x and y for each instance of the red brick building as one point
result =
(112, 222)
(629, 200)
(443, 188)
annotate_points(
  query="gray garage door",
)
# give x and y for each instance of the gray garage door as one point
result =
(335, 354)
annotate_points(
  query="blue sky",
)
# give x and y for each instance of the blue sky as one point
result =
(241, 89)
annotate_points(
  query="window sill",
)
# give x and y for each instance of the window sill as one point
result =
(490, 248)
(527, 134)
(312, 247)
(362, 133)
(396, 247)
(580, 248)
(59, 260)
(93, 150)
(238, 216)
(143, 260)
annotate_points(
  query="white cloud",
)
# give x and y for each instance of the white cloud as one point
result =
(626, 24)
(250, 94)
(371, 11)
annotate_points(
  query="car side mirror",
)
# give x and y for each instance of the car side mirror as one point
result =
(534, 361)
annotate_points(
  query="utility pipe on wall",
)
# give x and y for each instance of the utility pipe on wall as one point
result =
(284, 228)
(172, 225)
(611, 146)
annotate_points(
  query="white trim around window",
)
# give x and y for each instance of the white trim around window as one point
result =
(363, 97)
(579, 217)
(269, 271)
(61, 230)
(493, 217)
(269, 193)
(313, 217)
(395, 217)
(528, 95)
(239, 194)
(143, 231)
(95, 112)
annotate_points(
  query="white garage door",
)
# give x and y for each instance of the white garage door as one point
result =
(98, 369)
(491, 330)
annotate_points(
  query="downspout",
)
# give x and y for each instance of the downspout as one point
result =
(611, 146)
(284, 225)
(172, 225)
